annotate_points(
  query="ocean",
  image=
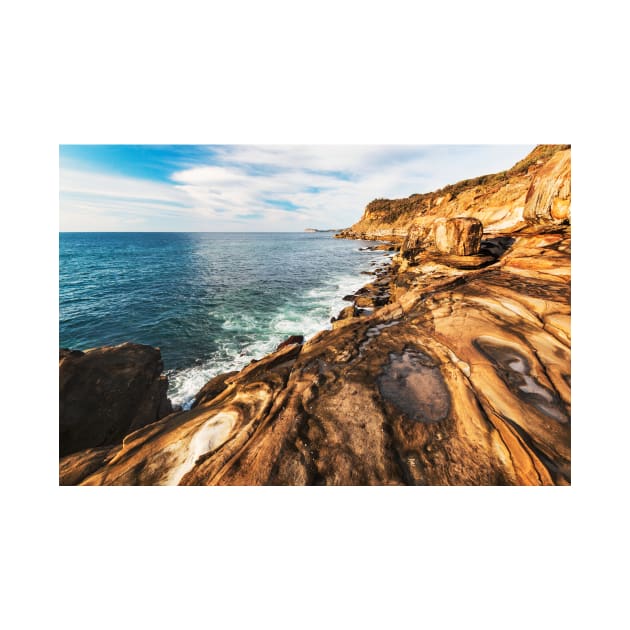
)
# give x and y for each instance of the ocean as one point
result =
(211, 302)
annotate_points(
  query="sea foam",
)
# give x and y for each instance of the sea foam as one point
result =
(306, 314)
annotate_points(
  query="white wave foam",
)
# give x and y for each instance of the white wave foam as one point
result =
(240, 321)
(307, 315)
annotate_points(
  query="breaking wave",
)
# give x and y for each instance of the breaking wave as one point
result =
(306, 314)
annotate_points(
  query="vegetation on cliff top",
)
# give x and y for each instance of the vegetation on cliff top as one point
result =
(394, 209)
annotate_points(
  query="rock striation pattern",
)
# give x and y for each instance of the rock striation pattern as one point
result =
(548, 199)
(460, 236)
(497, 200)
(454, 374)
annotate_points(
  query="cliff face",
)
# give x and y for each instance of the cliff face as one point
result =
(459, 373)
(498, 200)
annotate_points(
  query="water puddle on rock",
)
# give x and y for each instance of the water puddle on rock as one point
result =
(412, 382)
(515, 371)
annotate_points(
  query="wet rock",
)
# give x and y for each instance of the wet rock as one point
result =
(346, 313)
(105, 393)
(412, 382)
(515, 370)
(460, 236)
(371, 300)
(385, 248)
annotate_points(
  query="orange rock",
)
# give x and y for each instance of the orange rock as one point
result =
(549, 196)
(463, 379)
(460, 236)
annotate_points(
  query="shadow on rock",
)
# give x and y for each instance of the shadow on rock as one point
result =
(496, 246)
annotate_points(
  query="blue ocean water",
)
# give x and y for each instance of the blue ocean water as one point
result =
(211, 301)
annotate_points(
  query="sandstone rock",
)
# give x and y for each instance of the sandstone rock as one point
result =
(370, 301)
(496, 200)
(105, 393)
(463, 379)
(74, 468)
(475, 261)
(212, 389)
(385, 248)
(346, 313)
(291, 340)
(168, 451)
(417, 239)
(549, 196)
(460, 236)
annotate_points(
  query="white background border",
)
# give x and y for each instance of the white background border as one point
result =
(326, 72)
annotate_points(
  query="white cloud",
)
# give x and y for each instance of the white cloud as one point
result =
(271, 187)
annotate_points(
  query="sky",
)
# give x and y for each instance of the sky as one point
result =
(253, 188)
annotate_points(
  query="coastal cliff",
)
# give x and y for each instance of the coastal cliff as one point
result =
(453, 367)
(498, 200)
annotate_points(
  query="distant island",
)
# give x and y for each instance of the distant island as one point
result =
(312, 230)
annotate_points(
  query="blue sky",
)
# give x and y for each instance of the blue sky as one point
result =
(253, 187)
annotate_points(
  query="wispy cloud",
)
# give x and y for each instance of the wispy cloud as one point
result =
(268, 187)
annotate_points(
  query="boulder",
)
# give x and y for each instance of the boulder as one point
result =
(386, 247)
(290, 341)
(416, 240)
(346, 313)
(460, 236)
(105, 393)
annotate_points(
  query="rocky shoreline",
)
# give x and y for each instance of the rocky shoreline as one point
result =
(451, 367)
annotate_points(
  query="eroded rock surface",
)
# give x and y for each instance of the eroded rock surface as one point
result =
(549, 196)
(497, 200)
(465, 379)
(458, 376)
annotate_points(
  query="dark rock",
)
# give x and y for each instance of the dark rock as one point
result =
(347, 313)
(106, 393)
(66, 352)
(385, 248)
(476, 261)
(371, 300)
(291, 340)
